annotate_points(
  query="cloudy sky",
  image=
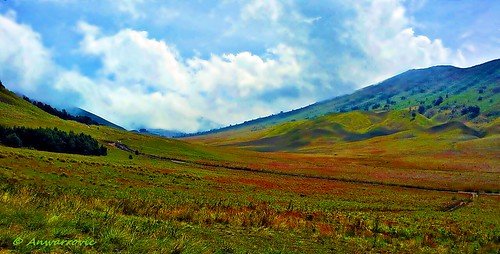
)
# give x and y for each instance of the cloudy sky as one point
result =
(196, 65)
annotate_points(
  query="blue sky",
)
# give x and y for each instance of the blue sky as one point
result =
(197, 65)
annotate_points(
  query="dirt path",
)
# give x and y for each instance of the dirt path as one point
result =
(462, 203)
(456, 205)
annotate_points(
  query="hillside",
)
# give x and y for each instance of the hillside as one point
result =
(429, 186)
(337, 129)
(159, 132)
(98, 119)
(15, 111)
(459, 88)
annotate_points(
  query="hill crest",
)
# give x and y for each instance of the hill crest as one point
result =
(420, 89)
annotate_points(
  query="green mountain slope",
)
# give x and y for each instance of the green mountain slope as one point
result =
(459, 89)
(441, 103)
(15, 111)
(98, 119)
(340, 128)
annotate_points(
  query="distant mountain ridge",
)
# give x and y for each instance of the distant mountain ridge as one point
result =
(160, 132)
(432, 91)
(98, 119)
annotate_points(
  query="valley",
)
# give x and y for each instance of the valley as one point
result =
(377, 180)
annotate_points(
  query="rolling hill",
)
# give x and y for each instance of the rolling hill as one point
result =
(435, 101)
(98, 119)
(15, 111)
(421, 89)
(382, 181)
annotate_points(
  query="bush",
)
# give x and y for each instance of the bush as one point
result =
(473, 110)
(438, 101)
(421, 109)
(13, 140)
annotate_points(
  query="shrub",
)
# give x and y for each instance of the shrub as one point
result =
(473, 110)
(13, 140)
(438, 101)
(421, 109)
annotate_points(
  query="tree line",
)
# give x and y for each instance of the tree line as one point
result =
(52, 140)
(61, 114)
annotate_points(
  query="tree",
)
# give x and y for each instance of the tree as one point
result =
(103, 150)
(438, 101)
(473, 110)
(61, 114)
(53, 140)
(130, 156)
(421, 109)
(1, 85)
(13, 140)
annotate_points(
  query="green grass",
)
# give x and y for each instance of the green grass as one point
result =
(135, 208)
(329, 196)
(458, 87)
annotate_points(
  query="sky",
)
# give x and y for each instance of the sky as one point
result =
(197, 65)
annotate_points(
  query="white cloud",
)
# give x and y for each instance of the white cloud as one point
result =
(130, 106)
(165, 15)
(415, 5)
(271, 56)
(311, 20)
(130, 7)
(90, 31)
(244, 74)
(130, 57)
(387, 44)
(262, 9)
(23, 58)
(145, 82)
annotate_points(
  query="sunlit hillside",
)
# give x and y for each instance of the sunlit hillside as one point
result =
(349, 182)
(441, 93)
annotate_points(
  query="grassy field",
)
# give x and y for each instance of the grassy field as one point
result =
(142, 206)
(410, 192)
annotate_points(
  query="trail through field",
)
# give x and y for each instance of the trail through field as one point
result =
(462, 203)
(473, 194)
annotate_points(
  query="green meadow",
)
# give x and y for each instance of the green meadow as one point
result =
(356, 182)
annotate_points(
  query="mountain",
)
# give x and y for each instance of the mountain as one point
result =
(337, 130)
(98, 119)
(437, 103)
(15, 111)
(440, 92)
(362, 181)
(160, 132)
